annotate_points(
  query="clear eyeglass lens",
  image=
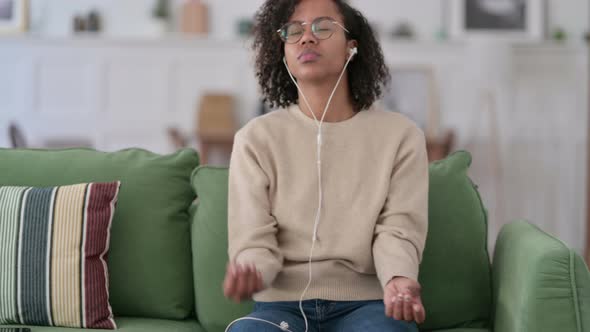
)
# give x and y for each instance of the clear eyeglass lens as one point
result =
(323, 29)
(292, 32)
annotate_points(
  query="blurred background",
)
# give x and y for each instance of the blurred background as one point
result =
(506, 80)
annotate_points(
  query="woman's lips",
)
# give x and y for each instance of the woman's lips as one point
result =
(308, 56)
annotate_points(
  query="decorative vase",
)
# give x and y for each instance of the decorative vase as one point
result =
(194, 18)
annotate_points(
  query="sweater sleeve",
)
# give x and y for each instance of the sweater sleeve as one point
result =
(400, 233)
(251, 227)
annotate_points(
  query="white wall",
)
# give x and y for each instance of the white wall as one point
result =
(426, 16)
(132, 17)
(572, 15)
(123, 94)
(542, 133)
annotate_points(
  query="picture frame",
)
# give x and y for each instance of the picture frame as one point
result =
(413, 92)
(13, 16)
(515, 20)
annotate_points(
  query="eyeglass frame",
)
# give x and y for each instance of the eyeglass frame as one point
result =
(303, 24)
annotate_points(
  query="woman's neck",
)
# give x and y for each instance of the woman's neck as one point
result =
(341, 107)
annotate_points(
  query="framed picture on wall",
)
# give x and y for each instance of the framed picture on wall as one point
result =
(510, 19)
(13, 16)
(413, 92)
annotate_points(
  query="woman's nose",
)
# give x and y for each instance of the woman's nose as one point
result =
(308, 36)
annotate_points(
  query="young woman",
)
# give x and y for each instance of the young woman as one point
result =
(328, 196)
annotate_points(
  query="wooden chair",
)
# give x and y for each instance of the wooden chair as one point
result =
(440, 148)
(216, 125)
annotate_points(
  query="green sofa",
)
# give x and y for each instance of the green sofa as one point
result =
(168, 249)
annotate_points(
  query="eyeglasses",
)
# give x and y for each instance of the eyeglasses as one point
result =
(322, 28)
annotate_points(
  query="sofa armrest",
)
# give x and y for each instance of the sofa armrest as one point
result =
(539, 284)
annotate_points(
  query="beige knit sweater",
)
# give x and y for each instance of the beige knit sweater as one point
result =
(374, 218)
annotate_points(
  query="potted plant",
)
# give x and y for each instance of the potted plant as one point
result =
(161, 17)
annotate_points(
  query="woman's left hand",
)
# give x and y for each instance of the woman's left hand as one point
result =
(402, 300)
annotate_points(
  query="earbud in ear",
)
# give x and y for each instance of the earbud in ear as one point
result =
(353, 51)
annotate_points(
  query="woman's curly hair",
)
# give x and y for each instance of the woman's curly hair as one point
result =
(367, 73)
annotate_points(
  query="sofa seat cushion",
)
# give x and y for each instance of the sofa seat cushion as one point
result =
(125, 324)
(464, 330)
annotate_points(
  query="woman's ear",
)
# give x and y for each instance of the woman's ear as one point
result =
(352, 44)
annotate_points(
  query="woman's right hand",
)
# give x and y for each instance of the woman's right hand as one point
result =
(241, 282)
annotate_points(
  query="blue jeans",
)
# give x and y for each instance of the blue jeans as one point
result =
(324, 316)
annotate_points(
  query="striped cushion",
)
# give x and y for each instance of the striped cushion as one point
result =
(53, 247)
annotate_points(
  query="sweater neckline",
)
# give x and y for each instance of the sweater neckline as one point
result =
(296, 111)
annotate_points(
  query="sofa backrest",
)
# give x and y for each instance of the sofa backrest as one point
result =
(454, 274)
(149, 259)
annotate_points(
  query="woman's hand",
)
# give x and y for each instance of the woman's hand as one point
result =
(402, 300)
(241, 282)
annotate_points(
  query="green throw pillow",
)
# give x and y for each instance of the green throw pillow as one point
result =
(209, 235)
(455, 273)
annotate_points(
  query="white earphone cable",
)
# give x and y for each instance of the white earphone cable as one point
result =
(284, 326)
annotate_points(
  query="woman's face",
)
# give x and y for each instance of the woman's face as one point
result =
(312, 59)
